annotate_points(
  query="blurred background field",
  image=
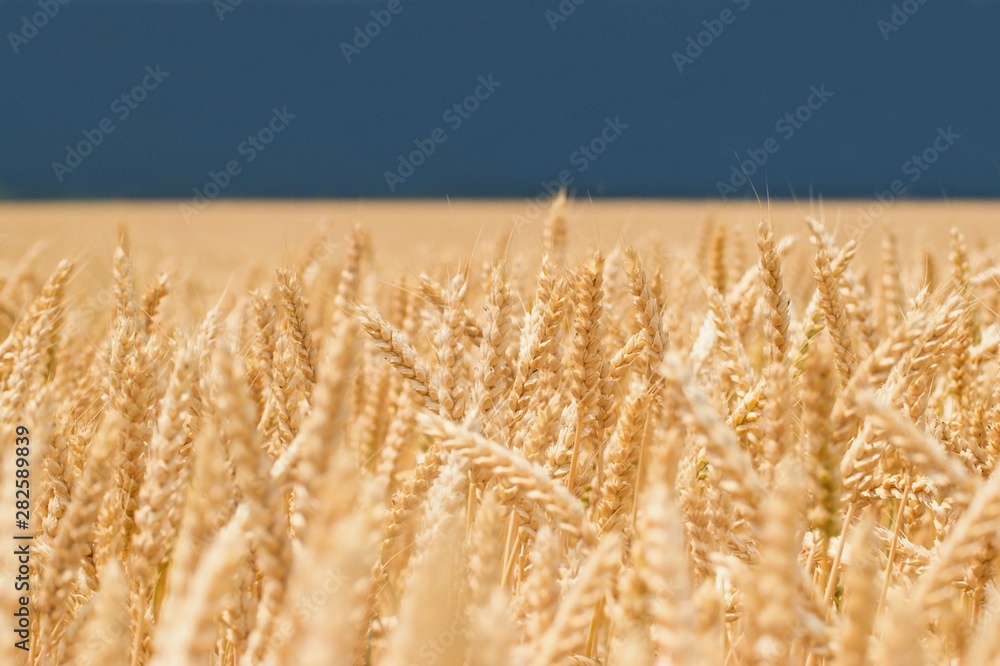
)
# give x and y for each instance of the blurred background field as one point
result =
(229, 234)
(228, 244)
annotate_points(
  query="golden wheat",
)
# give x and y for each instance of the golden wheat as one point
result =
(606, 458)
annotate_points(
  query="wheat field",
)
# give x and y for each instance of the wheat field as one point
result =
(620, 436)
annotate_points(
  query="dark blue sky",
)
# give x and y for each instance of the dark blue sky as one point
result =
(598, 101)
